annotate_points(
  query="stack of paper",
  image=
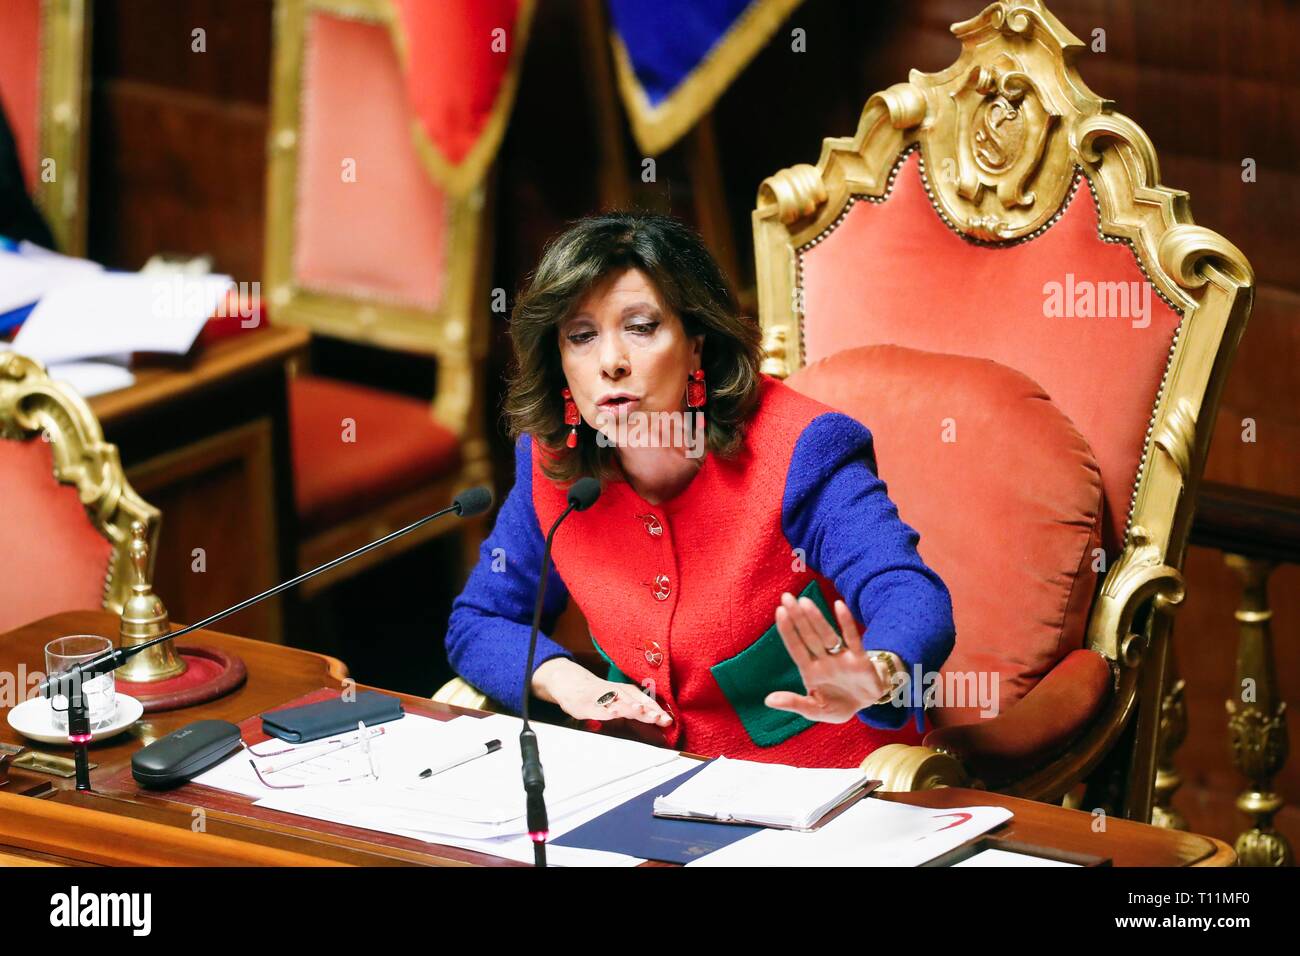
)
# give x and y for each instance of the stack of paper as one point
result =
(85, 322)
(872, 832)
(771, 795)
(29, 272)
(479, 805)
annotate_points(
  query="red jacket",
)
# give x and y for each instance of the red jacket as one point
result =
(681, 597)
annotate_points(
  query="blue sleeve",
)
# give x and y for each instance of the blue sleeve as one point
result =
(838, 511)
(487, 633)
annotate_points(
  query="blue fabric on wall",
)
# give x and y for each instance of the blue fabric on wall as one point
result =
(667, 39)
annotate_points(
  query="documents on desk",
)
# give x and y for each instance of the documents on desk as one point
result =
(767, 794)
(870, 833)
(479, 805)
(109, 313)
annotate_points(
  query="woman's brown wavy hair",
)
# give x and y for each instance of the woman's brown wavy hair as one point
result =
(690, 283)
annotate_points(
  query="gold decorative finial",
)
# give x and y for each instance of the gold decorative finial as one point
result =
(139, 551)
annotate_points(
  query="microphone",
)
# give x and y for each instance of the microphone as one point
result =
(582, 495)
(471, 502)
(467, 504)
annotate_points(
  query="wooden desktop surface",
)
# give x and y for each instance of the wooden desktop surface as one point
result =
(216, 363)
(278, 674)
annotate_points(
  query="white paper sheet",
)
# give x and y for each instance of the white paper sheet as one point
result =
(512, 846)
(31, 272)
(110, 313)
(478, 800)
(994, 857)
(872, 832)
(92, 378)
(766, 793)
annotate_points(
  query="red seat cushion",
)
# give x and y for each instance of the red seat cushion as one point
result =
(54, 558)
(1006, 496)
(1041, 726)
(395, 447)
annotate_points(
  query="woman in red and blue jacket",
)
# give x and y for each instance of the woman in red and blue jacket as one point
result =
(741, 534)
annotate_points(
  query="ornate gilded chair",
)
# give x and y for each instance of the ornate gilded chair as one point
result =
(990, 276)
(344, 166)
(44, 59)
(68, 509)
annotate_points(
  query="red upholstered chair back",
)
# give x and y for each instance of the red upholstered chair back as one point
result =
(1000, 210)
(20, 72)
(344, 163)
(894, 272)
(55, 560)
(67, 506)
(44, 50)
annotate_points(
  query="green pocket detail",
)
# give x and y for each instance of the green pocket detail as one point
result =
(614, 673)
(763, 667)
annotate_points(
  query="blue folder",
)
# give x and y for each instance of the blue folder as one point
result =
(9, 321)
(632, 828)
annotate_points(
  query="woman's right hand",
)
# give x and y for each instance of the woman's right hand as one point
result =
(577, 691)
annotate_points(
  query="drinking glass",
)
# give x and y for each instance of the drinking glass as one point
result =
(99, 692)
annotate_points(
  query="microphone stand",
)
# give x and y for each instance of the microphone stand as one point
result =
(69, 684)
(534, 781)
(582, 496)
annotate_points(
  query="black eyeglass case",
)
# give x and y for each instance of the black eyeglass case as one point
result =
(312, 721)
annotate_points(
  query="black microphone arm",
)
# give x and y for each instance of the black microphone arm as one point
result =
(468, 504)
(582, 496)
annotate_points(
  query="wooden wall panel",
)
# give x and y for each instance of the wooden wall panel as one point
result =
(178, 160)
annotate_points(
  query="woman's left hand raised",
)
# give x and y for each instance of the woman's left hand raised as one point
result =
(838, 684)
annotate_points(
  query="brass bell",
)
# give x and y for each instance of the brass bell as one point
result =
(144, 618)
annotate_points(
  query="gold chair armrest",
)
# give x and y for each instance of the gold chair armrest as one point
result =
(1138, 576)
(902, 768)
(461, 693)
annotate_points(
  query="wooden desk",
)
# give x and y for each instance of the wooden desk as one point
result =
(207, 442)
(54, 829)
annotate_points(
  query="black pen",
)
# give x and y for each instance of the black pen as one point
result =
(490, 747)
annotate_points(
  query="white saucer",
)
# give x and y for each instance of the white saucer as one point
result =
(32, 718)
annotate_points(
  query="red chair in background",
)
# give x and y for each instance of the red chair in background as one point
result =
(363, 246)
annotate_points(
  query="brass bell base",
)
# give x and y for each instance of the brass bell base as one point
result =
(158, 663)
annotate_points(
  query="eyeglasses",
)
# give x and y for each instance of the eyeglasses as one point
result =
(298, 756)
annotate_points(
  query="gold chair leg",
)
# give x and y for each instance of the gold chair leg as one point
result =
(1257, 719)
(1172, 733)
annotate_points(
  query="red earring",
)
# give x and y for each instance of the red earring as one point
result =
(695, 391)
(570, 417)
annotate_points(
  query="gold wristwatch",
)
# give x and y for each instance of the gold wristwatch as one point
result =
(888, 658)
